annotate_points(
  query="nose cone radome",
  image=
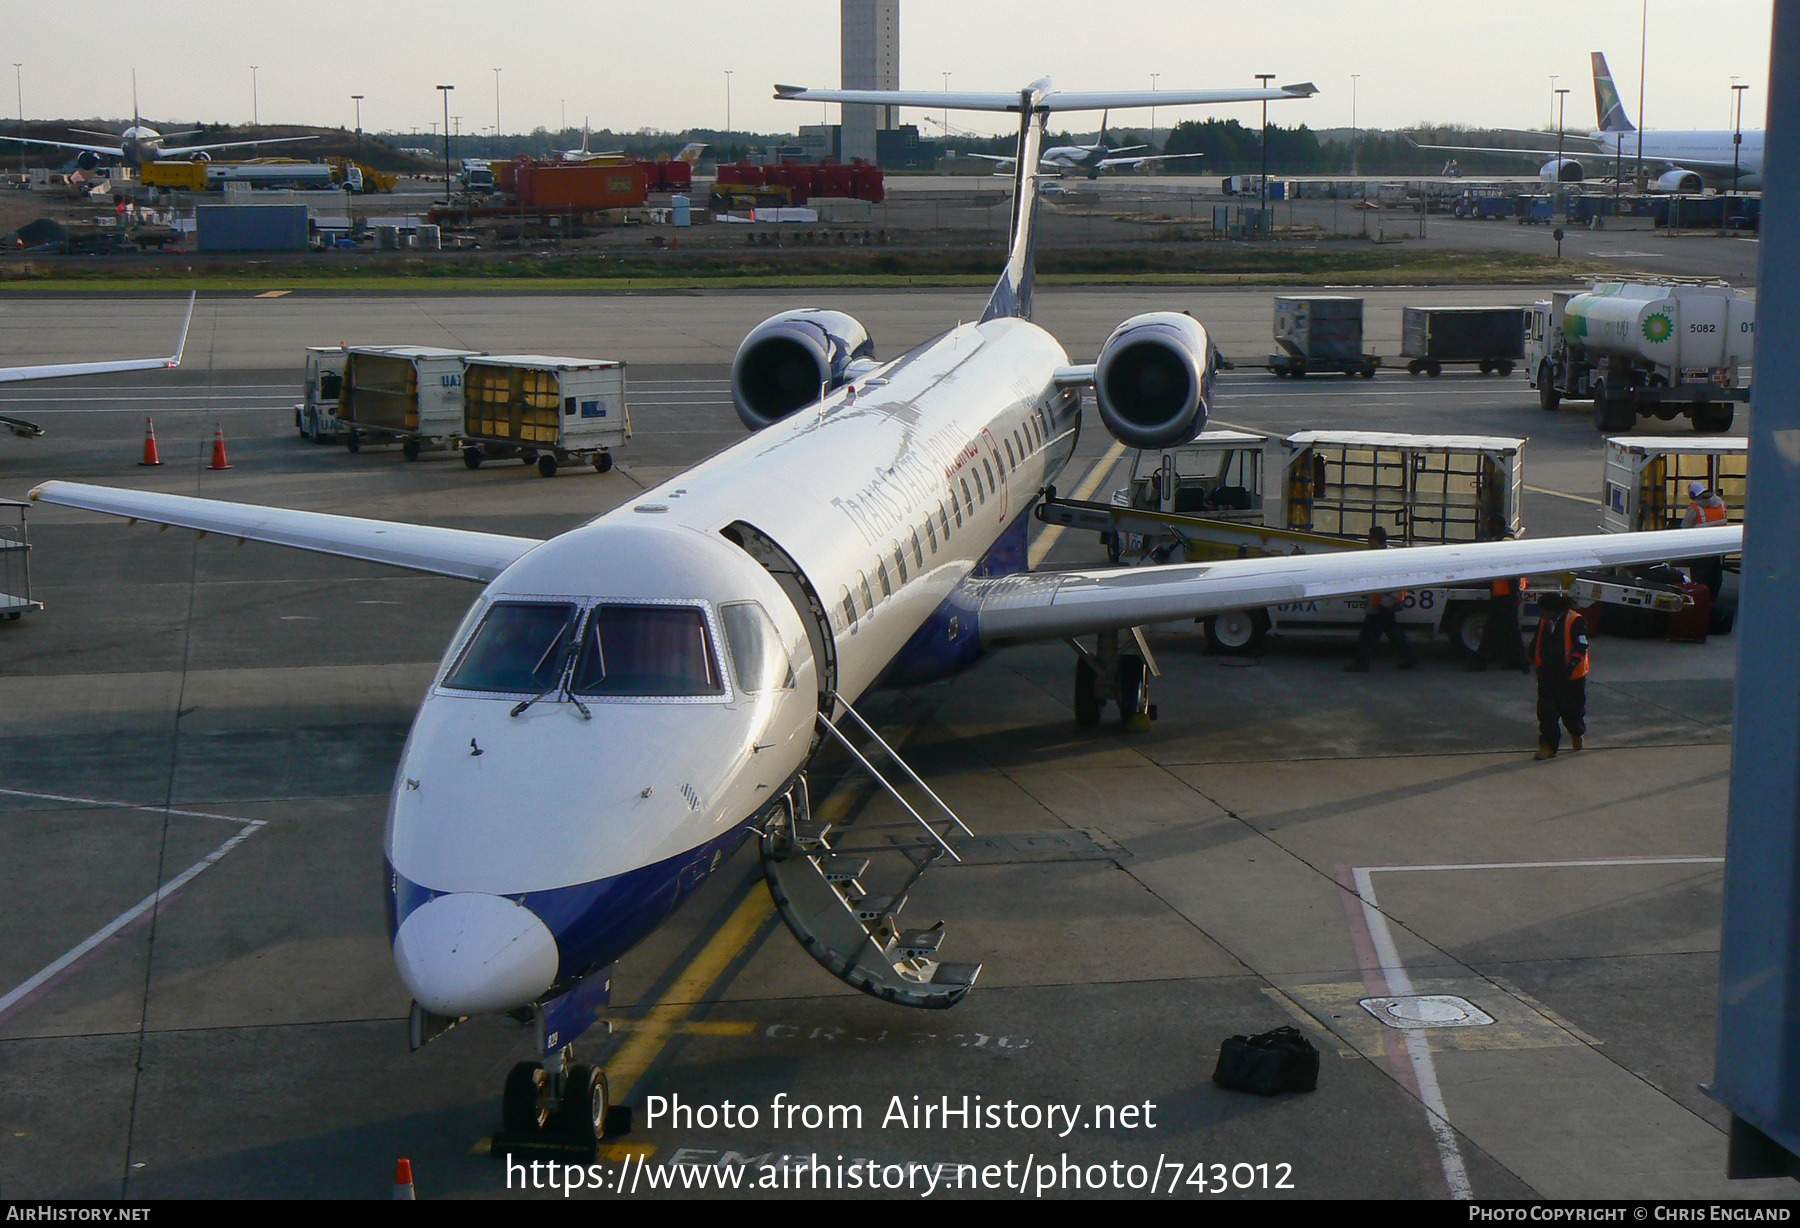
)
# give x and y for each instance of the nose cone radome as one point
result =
(470, 954)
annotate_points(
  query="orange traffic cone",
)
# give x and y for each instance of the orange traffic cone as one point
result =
(150, 456)
(218, 459)
(403, 1183)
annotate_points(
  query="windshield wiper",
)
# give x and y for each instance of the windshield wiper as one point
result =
(563, 695)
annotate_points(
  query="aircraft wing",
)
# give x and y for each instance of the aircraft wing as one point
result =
(275, 140)
(1054, 605)
(108, 151)
(1053, 100)
(1538, 155)
(1108, 163)
(11, 375)
(458, 553)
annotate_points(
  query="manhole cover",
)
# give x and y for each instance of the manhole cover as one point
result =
(1427, 1011)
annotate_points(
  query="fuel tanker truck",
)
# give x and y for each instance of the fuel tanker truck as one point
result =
(1663, 349)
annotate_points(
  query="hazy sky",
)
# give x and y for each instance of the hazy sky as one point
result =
(629, 66)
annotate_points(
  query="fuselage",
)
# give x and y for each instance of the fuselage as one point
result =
(529, 847)
(1682, 149)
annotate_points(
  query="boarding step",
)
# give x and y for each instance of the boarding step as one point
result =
(872, 908)
(812, 832)
(839, 868)
(920, 944)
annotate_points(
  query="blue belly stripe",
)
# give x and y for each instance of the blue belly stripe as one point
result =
(595, 923)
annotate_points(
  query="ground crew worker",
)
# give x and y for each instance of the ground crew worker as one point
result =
(1560, 653)
(1500, 635)
(1705, 508)
(1382, 616)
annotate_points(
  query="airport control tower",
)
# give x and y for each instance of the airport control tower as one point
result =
(871, 34)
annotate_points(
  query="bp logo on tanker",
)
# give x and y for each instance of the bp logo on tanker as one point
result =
(1658, 327)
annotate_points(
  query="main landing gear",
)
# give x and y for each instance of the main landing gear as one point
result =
(1105, 673)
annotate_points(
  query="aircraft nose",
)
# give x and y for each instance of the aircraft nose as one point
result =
(473, 954)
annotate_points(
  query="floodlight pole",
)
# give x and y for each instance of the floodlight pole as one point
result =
(19, 84)
(1737, 141)
(1265, 78)
(1355, 136)
(445, 91)
(357, 99)
(255, 115)
(1556, 192)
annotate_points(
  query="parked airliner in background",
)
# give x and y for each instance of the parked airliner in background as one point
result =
(689, 153)
(1093, 159)
(141, 143)
(1677, 161)
(625, 703)
(13, 375)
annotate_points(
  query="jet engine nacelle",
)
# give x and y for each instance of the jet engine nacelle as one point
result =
(1678, 181)
(87, 160)
(1562, 170)
(200, 155)
(791, 360)
(1153, 380)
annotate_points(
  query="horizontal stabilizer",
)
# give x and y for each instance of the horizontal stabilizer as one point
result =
(457, 553)
(1052, 100)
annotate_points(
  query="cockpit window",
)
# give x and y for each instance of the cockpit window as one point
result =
(520, 646)
(647, 650)
(762, 663)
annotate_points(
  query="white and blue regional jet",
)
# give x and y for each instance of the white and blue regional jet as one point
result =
(625, 703)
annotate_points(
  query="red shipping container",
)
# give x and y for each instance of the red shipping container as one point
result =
(675, 176)
(870, 184)
(836, 180)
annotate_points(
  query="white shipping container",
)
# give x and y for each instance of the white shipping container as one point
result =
(553, 409)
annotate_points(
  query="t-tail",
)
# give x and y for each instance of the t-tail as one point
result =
(1607, 107)
(1012, 293)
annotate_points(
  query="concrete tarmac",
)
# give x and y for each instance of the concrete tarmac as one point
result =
(196, 741)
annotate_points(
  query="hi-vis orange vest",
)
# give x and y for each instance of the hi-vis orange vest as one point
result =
(1708, 515)
(1506, 586)
(1537, 646)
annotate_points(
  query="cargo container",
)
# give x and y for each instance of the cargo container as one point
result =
(250, 228)
(1320, 333)
(175, 176)
(409, 393)
(580, 187)
(546, 411)
(1492, 338)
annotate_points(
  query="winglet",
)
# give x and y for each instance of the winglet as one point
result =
(174, 359)
(1306, 89)
(789, 91)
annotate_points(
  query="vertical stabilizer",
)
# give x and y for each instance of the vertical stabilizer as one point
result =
(1607, 106)
(1012, 296)
(137, 120)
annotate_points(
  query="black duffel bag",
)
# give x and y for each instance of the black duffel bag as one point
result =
(1279, 1061)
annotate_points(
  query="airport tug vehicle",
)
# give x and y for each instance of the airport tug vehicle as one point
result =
(627, 702)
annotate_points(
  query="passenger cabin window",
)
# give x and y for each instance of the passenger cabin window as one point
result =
(1010, 462)
(993, 488)
(966, 500)
(519, 646)
(849, 610)
(868, 595)
(881, 574)
(762, 663)
(931, 529)
(649, 651)
(944, 522)
(900, 563)
(918, 554)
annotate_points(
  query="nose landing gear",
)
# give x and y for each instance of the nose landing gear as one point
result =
(557, 1106)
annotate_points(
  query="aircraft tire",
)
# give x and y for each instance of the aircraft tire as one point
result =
(521, 1112)
(585, 1104)
(1132, 675)
(1087, 702)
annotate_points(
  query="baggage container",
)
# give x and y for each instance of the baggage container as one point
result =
(1493, 338)
(412, 394)
(250, 228)
(544, 410)
(1320, 333)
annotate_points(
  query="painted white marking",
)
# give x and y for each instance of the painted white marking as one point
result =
(93, 941)
(1393, 970)
(105, 805)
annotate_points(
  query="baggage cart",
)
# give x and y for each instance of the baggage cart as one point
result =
(15, 562)
(1489, 338)
(409, 393)
(544, 410)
